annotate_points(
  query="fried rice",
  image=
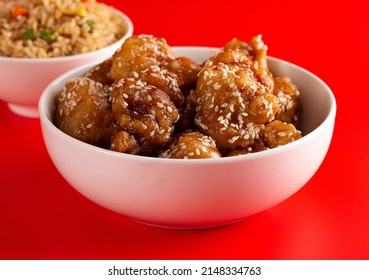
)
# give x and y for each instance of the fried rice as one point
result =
(54, 28)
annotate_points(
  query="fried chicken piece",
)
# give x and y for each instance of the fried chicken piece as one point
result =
(256, 49)
(187, 113)
(260, 76)
(275, 134)
(145, 112)
(139, 53)
(124, 142)
(164, 80)
(234, 100)
(186, 70)
(279, 133)
(100, 72)
(288, 95)
(151, 59)
(192, 145)
(257, 146)
(83, 112)
(284, 89)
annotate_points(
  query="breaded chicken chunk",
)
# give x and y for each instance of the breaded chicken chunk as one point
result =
(83, 111)
(234, 99)
(192, 145)
(145, 112)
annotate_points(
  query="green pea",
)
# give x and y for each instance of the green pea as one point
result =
(48, 35)
(29, 34)
(90, 24)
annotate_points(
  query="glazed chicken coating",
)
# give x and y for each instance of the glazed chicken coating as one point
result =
(145, 112)
(152, 60)
(186, 70)
(256, 49)
(83, 111)
(100, 72)
(187, 114)
(274, 134)
(289, 101)
(124, 142)
(279, 133)
(192, 145)
(139, 53)
(283, 87)
(257, 146)
(260, 78)
(234, 99)
(164, 80)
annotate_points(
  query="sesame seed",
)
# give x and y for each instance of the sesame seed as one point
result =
(231, 141)
(203, 126)
(216, 86)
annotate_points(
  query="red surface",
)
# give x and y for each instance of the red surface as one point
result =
(42, 217)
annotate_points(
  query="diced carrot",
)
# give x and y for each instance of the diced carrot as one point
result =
(19, 11)
(88, 4)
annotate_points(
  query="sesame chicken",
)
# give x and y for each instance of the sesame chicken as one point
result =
(145, 101)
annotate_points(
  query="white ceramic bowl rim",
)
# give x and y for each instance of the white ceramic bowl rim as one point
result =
(321, 127)
(129, 26)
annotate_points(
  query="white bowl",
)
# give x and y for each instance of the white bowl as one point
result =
(194, 193)
(22, 80)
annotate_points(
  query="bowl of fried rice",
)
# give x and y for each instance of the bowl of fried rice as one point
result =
(41, 39)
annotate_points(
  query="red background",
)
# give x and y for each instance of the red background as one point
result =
(42, 217)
